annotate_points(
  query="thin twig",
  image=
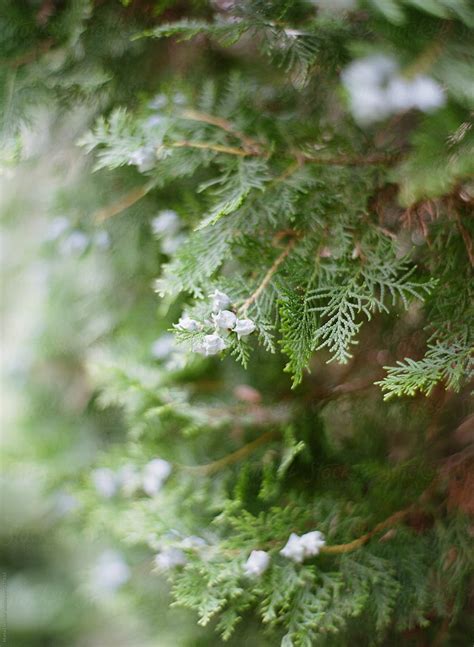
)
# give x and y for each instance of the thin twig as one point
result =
(122, 203)
(341, 160)
(230, 459)
(338, 549)
(254, 148)
(268, 276)
(360, 541)
(231, 150)
(252, 145)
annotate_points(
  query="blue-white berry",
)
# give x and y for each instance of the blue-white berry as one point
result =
(257, 563)
(187, 324)
(225, 319)
(143, 158)
(299, 548)
(244, 327)
(312, 543)
(166, 222)
(169, 558)
(110, 572)
(220, 300)
(212, 345)
(163, 346)
(293, 549)
(105, 482)
(154, 475)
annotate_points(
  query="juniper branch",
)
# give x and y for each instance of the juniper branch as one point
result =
(218, 148)
(122, 203)
(234, 457)
(267, 278)
(251, 144)
(395, 518)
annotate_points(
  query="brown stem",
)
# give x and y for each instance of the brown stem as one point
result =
(234, 457)
(122, 203)
(339, 549)
(230, 150)
(267, 278)
(360, 541)
(252, 145)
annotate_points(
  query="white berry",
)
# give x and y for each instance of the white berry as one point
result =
(298, 548)
(244, 327)
(212, 345)
(154, 475)
(257, 563)
(220, 300)
(105, 482)
(187, 324)
(293, 549)
(312, 542)
(169, 558)
(225, 319)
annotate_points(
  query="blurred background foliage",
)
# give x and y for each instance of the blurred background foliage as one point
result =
(78, 288)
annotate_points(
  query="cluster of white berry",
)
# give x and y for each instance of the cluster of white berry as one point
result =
(129, 480)
(297, 549)
(223, 321)
(377, 89)
(145, 157)
(170, 557)
(167, 226)
(73, 242)
(109, 573)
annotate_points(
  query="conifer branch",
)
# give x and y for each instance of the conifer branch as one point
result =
(251, 144)
(339, 549)
(218, 148)
(360, 541)
(234, 457)
(267, 278)
(122, 203)
(301, 158)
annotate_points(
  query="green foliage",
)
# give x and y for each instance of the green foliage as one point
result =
(449, 362)
(221, 151)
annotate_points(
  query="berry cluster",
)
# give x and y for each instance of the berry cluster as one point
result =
(377, 89)
(129, 480)
(222, 321)
(297, 549)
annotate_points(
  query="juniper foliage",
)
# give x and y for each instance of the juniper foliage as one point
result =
(338, 220)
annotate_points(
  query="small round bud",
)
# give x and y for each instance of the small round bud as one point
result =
(244, 327)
